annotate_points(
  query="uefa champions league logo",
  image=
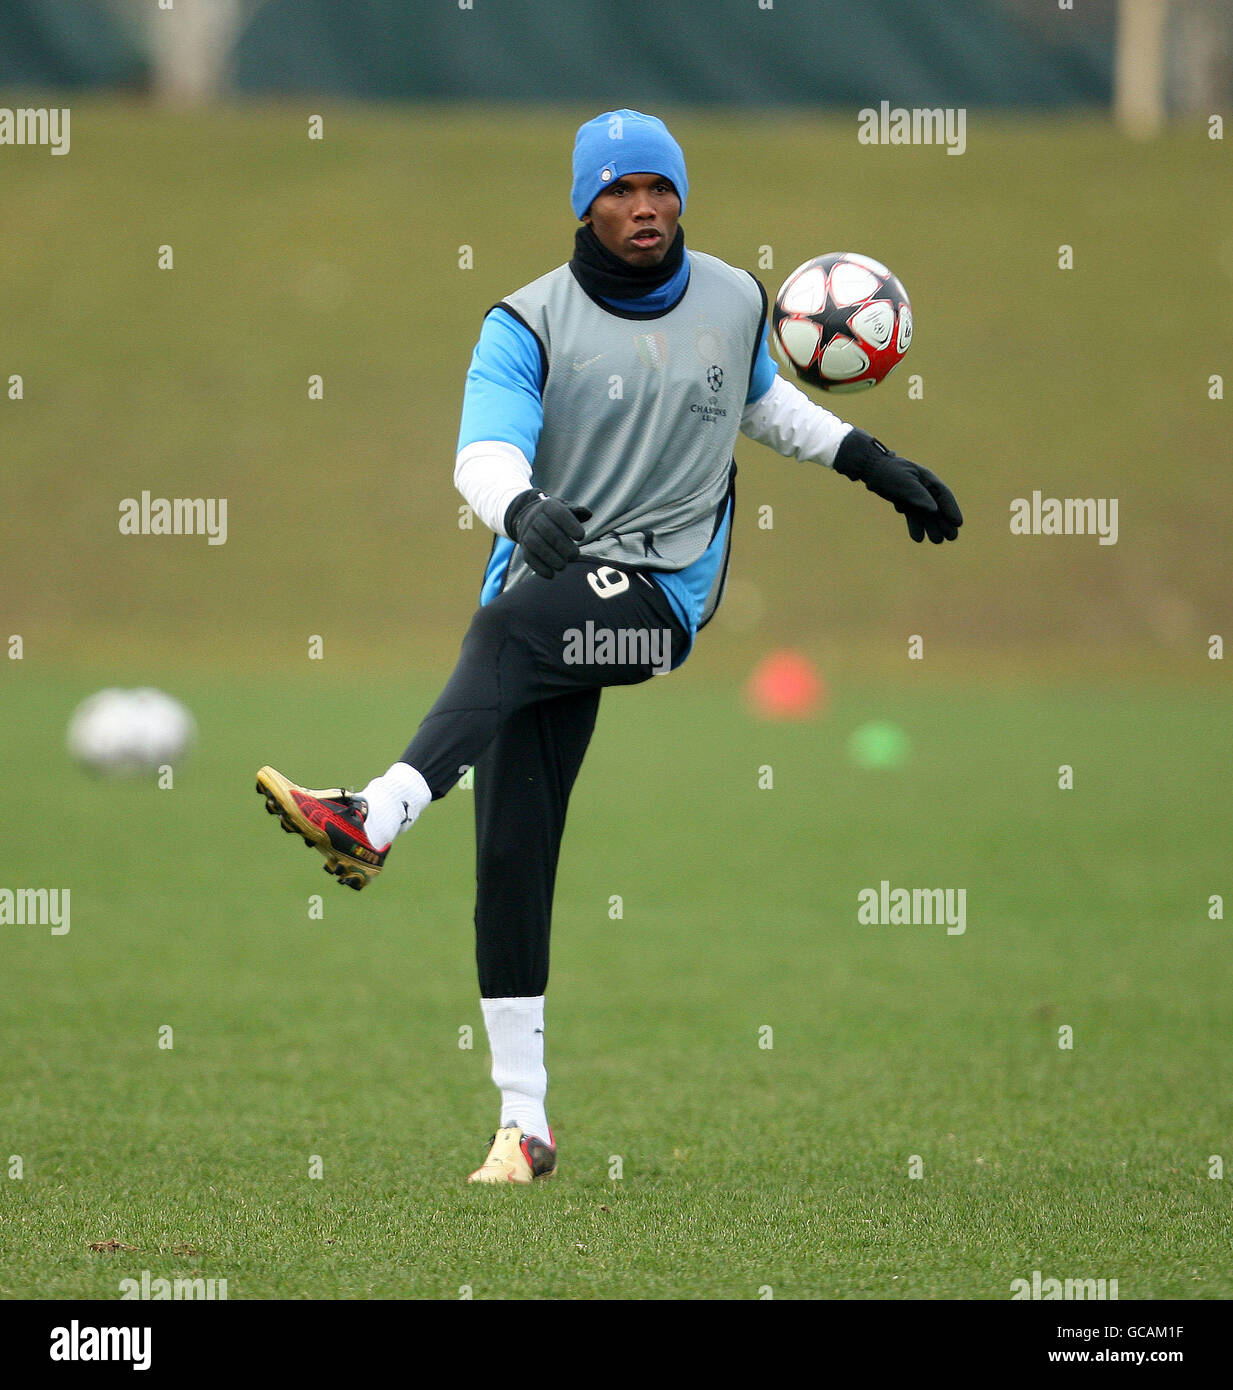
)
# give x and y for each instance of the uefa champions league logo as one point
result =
(714, 377)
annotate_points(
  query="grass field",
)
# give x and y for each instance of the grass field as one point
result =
(742, 1166)
(296, 1036)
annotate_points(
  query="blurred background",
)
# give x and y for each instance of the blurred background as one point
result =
(447, 133)
(173, 285)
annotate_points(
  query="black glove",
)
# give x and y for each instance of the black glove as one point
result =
(547, 529)
(921, 496)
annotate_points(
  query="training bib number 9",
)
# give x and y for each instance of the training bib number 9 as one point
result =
(608, 582)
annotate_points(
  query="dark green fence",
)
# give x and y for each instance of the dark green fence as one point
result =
(604, 52)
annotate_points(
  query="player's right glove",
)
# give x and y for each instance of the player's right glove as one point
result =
(547, 529)
(921, 496)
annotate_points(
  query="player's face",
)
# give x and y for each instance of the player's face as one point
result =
(636, 218)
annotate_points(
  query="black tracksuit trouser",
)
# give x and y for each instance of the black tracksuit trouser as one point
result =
(520, 707)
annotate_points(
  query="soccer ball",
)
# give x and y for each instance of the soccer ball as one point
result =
(126, 732)
(842, 322)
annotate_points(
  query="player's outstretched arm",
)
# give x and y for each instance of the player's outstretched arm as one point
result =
(502, 415)
(786, 420)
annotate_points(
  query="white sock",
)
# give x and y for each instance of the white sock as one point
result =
(516, 1040)
(394, 799)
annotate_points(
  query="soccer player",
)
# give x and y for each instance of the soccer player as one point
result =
(601, 408)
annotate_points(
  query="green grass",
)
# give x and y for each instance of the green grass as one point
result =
(742, 1167)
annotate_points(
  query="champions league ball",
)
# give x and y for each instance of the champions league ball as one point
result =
(126, 732)
(841, 322)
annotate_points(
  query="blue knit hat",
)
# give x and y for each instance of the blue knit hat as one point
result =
(623, 142)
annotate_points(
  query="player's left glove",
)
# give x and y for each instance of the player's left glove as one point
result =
(547, 529)
(923, 498)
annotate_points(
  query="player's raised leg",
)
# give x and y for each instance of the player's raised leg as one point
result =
(589, 627)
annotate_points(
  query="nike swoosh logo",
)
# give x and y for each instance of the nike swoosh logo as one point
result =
(580, 366)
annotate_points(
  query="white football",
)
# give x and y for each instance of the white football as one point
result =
(126, 732)
(841, 321)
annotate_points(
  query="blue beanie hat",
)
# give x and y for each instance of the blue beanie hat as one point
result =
(619, 143)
